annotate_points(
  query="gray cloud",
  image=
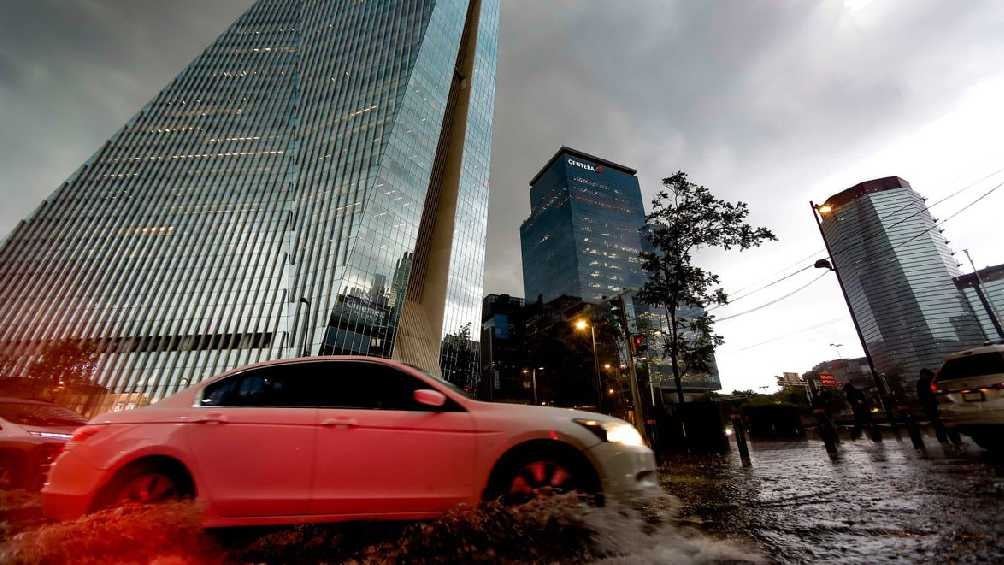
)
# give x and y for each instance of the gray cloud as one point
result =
(758, 99)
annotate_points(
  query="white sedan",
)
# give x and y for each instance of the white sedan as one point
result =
(339, 438)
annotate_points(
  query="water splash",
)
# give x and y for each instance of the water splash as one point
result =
(553, 529)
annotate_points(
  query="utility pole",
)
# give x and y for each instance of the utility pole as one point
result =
(992, 313)
(879, 383)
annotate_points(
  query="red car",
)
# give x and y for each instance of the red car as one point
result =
(339, 438)
(32, 434)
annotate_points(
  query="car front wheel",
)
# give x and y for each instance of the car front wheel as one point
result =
(537, 473)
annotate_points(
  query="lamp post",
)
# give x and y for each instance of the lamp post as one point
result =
(580, 325)
(817, 211)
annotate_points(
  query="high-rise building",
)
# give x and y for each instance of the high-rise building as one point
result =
(316, 181)
(985, 291)
(582, 237)
(506, 373)
(898, 274)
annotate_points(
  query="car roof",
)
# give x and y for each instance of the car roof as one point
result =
(313, 359)
(995, 348)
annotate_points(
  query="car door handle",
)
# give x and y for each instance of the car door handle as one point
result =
(211, 419)
(336, 422)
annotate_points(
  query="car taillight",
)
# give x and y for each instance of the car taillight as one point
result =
(82, 434)
(934, 385)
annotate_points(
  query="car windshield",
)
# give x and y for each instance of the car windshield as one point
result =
(30, 414)
(441, 381)
(978, 365)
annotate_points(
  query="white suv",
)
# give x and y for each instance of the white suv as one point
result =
(970, 392)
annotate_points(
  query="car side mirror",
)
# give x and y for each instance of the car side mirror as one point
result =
(429, 397)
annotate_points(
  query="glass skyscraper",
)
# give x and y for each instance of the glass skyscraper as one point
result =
(582, 237)
(898, 273)
(316, 181)
(985, 292)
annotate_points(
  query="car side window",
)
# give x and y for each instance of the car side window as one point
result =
(217, 393)
(272, 386)
(372, 386)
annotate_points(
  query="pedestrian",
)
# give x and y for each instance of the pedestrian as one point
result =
(860, 407)
(929, 403)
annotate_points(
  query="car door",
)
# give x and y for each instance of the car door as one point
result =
(379, 452)
(252, 437)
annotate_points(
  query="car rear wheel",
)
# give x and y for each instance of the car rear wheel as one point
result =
(146, 484)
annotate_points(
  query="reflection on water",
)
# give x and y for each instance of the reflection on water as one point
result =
(874, 502)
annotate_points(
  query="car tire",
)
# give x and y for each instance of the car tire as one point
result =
(537, 473)
(12, 471)
(145, 483)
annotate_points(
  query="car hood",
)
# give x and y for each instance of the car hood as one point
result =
(530, 412)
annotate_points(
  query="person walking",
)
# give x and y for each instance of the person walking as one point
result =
(929, 403)
(861, 408)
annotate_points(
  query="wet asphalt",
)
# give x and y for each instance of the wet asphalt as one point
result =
(872, 503)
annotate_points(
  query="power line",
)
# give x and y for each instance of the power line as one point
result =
(765, 287)
(893, 248)
(791, 333)
(935, 225)
(776, 300)
(874, 231)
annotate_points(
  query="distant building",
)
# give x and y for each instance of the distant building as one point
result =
(505, 367)
(854, 371)
(582, 237)
(651, 322)
(898, 273)
(991, 281)
(789, 381)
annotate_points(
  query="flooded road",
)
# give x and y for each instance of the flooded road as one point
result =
(873, 503)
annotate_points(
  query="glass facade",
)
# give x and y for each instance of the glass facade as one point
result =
(316, 181)
(898, 271)
(990, 306)
(582, 237)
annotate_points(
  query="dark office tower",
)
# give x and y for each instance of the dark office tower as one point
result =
(582, 237)
(316, 181)
(898, 273)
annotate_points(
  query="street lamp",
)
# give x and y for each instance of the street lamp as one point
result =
(580, 325)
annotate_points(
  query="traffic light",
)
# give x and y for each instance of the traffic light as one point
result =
(638, 343)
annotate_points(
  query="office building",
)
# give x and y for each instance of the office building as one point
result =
(898, 273)
(985, 291)
(315, 182)
(582, 237)
(506, 373)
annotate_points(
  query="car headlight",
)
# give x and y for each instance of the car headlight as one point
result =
(613, 431)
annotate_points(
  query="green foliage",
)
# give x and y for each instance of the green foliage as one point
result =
(685, 218)
(64, 362)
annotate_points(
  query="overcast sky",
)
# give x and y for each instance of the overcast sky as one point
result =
(771, 102)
